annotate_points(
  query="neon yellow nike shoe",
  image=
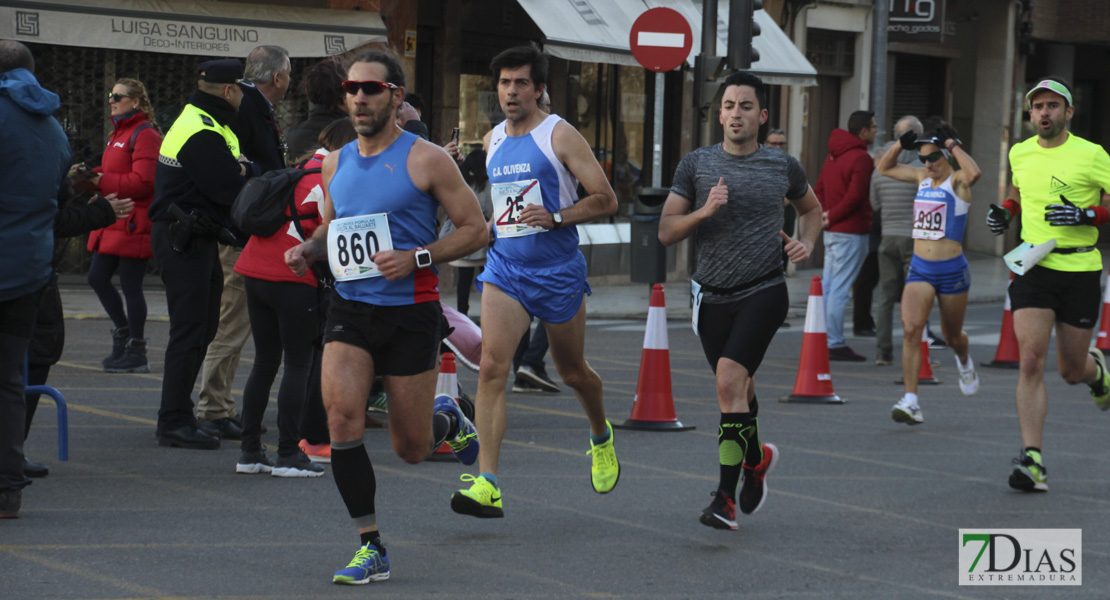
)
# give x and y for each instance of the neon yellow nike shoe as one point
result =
(482, 500)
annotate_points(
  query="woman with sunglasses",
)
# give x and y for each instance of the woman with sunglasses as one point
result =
(126, 171)
(938, 268)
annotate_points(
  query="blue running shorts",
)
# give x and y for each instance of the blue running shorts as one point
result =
(948, 277)
(551, 291)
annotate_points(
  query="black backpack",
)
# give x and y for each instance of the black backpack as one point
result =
(259, 209)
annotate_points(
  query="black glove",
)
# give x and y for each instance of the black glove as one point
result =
(998, 219)
(1069, 214)
(945, 133)
(908, 141)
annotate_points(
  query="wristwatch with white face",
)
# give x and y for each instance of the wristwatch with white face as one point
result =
(558, 217)
(423, 258)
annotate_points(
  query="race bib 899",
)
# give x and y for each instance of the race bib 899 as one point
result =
(351, 243)
(929, 219)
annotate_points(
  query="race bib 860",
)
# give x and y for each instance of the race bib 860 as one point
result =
(351, 243)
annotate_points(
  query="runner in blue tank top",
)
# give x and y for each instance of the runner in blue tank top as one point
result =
(938, 268)
(535, 161)
(378, 230)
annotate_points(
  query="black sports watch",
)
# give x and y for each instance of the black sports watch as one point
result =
(423, 258)
(558, 218)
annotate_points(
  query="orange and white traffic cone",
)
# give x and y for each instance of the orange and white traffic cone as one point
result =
(1008, 357)
(653, 406)
(448, 381)
(447, 384)
(925, 373)
(814, 382)
(1103, 342)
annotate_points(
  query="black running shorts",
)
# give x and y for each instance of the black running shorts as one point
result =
(1073, 295)
(742, 330)
(402, 340)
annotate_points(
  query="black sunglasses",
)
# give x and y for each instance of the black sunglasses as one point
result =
(116, 97)
(370, 88)
(928, 158)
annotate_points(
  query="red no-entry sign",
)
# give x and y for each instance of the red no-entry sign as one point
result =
(660, 39)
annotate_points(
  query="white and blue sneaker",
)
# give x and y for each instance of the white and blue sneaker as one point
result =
(465, 443)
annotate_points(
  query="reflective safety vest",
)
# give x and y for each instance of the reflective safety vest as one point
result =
(191, 121)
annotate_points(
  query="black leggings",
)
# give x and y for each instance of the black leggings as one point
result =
(742, 330)
(131, 273)
(284, 321)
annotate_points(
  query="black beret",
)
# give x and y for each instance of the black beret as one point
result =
(227, 70)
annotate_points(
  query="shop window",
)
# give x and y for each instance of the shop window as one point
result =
(831, 52)
(479, 110)
(609, 108)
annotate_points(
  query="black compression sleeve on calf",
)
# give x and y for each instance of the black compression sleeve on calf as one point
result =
(749, 439)
(730, 452)
(354, 476)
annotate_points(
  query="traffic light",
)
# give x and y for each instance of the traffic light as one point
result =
(741, 30)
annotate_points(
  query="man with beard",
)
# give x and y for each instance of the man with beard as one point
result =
(1059, 184)
(730, 195)
(200, 171)
(535, 270)
(378, 228)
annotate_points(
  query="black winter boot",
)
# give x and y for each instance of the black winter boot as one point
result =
(133, 359)
(120, 335)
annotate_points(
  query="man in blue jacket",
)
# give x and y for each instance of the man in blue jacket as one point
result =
(37, 158)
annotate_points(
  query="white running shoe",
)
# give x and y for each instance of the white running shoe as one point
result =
(904, 412)
(969, 379)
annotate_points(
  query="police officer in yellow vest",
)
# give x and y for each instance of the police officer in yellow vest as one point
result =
(199, 173)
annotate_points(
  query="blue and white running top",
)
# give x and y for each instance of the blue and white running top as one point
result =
(518, 168)
(939, 213)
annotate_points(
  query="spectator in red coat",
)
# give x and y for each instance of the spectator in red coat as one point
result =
(285, 320)
(844, 189)
(126, 171)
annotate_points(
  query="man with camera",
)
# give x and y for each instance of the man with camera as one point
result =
(200, 171)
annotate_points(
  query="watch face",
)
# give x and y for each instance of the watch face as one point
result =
(423, 258)
(558, 218)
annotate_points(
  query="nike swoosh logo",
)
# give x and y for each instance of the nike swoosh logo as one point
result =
(493, 499)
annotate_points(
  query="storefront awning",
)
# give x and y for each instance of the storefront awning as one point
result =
(597, 31)
(780, 62)
(184, 27)
(587, 31)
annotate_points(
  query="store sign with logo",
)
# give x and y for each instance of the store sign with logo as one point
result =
(916, 21)
(1021, 557)
(190, 27)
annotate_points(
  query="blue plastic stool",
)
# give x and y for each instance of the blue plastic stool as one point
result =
(63, 414)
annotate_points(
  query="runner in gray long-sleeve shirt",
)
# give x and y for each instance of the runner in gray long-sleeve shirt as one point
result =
(895, 199)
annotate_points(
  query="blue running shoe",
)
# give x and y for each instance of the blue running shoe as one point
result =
(369, 564)
(465, 442)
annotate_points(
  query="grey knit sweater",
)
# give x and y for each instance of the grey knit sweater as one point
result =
(895, 198)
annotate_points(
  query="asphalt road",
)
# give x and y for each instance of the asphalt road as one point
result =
(859, 507)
